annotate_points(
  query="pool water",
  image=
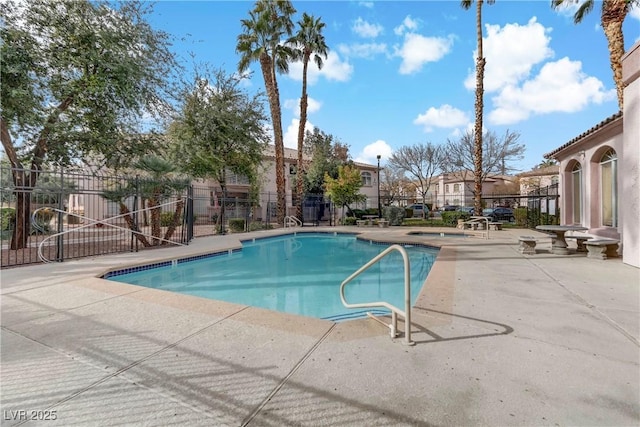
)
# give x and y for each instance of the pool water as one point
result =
(299, 274)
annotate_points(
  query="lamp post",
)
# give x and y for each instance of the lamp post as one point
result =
(379, 203)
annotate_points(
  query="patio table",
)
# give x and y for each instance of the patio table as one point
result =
(559, 244)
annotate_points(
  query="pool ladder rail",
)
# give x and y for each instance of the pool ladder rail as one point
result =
(292, 221)
(406, 314)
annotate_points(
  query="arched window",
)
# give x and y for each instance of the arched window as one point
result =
(366, 179)
(608, 188)
(576, 175)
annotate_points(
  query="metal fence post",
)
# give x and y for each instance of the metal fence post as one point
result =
(60, 228)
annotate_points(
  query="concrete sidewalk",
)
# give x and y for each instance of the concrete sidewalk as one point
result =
(501, 339)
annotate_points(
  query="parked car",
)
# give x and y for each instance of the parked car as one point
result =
(417, 210)
(501, 214)
(467, 209)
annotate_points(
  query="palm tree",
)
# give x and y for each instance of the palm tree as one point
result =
(161, 185)
(308, 41)
(268, 24)
(479, 105)
(612, 17)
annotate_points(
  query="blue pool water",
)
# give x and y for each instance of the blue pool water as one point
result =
(299, 274)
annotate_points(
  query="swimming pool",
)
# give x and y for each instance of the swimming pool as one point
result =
(297, 273)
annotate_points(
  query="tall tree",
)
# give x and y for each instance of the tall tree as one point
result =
(261, 40)
(421, 162)
(499, 153)
(611, 18)
(77, 78)
(345, 188)
(327, 153)
(308, 41)
(219, 129)
(479, 104)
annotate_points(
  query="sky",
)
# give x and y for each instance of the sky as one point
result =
(402, 73)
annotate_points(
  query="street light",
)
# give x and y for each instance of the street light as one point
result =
(379, 204)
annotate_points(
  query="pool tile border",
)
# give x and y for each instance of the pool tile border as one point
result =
(168, 263)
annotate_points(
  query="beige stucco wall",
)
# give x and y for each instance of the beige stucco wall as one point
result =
(629, 183)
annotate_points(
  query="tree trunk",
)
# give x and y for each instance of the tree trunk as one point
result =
(155, 220)
(303, 122)
(174, 221)
(20, 235)
(124, 210)
(268, 72)
(613, 14)
(479, 107)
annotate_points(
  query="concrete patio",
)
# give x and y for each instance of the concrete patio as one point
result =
(501, 339)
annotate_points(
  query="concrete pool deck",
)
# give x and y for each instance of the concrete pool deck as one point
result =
(501, 339)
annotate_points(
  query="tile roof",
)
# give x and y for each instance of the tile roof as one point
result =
(583, 135)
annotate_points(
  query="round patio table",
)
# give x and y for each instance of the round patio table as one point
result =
(559, 244)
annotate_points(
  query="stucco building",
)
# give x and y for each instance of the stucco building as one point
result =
(599, 171)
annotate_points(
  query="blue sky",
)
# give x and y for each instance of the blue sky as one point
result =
(402, 72)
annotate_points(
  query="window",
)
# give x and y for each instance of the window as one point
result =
(608, 188)
(456, 188)
(293, 169)
(576, 175)
(366, 179)
(446, 188)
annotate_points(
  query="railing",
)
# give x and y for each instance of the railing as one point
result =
(393, 326)
(478, 220)
(93, 222)
(292, 221)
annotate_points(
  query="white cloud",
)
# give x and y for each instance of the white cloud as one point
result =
(362, 50)
(370, 152)
(408, 25)
(294, 105)
(365, 29)
(418, 50)
(635, 13)
(367, 4)
(561, 86)
(290, 137)
(569, 8)
(333, 69)
(511, 53)
(445, 116)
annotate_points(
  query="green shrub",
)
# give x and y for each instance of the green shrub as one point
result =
(356, 213)
(393, 214)
(450, 218)
(371, 211)
(521, 216)
(166, 218)
(255, 226)
(236, 225)
(349, 220)
(7, 218)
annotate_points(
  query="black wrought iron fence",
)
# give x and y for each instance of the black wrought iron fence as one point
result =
(54, 215)
(538, 207)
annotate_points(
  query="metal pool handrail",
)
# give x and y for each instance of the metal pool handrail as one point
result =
(393, 326)
(292, 221)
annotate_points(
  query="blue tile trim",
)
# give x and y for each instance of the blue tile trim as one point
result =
(404, 244)
(136, 269)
